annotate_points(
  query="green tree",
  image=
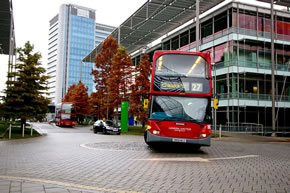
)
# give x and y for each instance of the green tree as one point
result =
(140, 90)
(79, 95)
(26, 87)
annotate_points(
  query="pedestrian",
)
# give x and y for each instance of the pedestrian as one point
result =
(135, 120)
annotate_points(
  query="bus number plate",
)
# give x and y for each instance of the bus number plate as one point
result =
(179, 140)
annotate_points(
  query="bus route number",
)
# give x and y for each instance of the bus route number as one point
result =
(196, 87)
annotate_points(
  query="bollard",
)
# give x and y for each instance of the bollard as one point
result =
(10, 131)
(220, 132)
(23, 128)
(31, 130)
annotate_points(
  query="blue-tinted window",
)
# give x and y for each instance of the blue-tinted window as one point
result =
(81, 43)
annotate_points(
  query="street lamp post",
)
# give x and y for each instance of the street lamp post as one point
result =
(197, 25)
(214, 91)
(273, 70)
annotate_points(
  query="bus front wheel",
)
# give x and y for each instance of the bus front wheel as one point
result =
(145, 139)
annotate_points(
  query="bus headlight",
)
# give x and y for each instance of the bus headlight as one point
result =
(202, 135)
(156, 132)
(206, 131)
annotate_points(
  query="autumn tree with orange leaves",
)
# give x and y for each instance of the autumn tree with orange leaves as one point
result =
(120, 77)
(79, 95)
(140, 89)
(103, 62)
(94, 105)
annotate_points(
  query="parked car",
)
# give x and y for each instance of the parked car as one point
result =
(106, 127)
(51, 121)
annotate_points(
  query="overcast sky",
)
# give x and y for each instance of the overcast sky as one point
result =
(31, 20)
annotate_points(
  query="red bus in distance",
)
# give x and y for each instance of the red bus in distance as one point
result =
(65, 114)
(180, 98)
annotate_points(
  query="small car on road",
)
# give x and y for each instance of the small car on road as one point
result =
(51, 121)
(106, 127)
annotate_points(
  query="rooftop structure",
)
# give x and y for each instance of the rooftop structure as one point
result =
(153, 20)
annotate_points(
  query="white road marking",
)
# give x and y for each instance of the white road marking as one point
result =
(178, 159)
(70, 185)
(39, 130)
(100, 149)
(237, 157)
(196, 159)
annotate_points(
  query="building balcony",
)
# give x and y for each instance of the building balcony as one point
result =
(252, 99)
(235, 33)
(252, 96)
(251, 64)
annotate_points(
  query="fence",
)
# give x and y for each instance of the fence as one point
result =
(253, 128)
(10, 127)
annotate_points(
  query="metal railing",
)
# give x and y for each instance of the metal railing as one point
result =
(244, 127)
(10, 127)
(252, 96)
(253, 128)
(237, 30)
(251, 64)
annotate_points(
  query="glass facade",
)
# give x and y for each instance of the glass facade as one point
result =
(81, 42)
(73, 34)
(240, 47)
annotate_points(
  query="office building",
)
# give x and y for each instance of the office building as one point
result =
(239, 41)
(73, 33)
(238, 37)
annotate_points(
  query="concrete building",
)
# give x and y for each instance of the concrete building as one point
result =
(102, 31)
(7, 33)
(73, 33)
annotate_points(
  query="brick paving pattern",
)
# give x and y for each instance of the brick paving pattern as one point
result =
(76, 160)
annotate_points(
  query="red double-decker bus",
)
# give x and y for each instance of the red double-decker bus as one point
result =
(65, 114)
(180, 98)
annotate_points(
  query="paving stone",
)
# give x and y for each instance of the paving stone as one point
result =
(125, 163)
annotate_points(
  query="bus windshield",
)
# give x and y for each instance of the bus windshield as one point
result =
(182, 65)
(179, 108)
(68, 108)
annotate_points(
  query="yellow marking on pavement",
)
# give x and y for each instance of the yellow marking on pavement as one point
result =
(70, 185)
(196, 159)
(237, 157)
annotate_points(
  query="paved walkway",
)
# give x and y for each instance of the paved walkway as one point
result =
(69, 160)
(31, 185)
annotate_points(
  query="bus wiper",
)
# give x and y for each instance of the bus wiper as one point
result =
(172, 74)
(197, 122)
(165, 118)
